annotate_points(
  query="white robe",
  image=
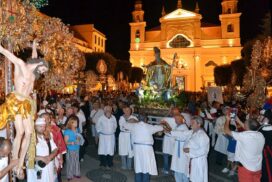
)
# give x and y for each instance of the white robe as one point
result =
(199, 145)
(222, 142)
(48, 172)
(180, 161)
(125, 138)
(106, 128)
(168, 141)
(4, 164)
(144, 157)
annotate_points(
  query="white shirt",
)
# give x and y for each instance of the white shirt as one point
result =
(96, 114)
(106, 128)
(48, 173)
(144, 157)
(187, 118)
(180, 161)
(249, 149)
(82, 120)
(3, 164)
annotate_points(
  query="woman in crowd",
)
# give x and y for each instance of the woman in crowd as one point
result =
(72, 142)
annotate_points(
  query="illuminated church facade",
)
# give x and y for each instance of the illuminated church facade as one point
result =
(199, 47)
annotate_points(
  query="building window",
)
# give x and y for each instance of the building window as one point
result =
(137, 18)
(95, 39)
(229, 11)
(98, 40)
(179, 41)
(102, 43)
(137, 36)
(230, 28)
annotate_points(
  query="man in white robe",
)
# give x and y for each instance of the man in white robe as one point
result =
(44, 170)
(96, 113)
(144, 157)
(197, 148)
(125, 140)
(106, 127)
(180, 161)
(168, 143)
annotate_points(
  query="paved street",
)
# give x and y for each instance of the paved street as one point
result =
(90, 168)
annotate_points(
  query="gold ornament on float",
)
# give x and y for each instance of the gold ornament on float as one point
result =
(101, 67)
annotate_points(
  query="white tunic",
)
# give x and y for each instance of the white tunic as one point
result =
(180, 161)
(4, 164)
(168, 140)
(144, 157)
(106, 128)
(125, 138)
(82, 119)
(48, 172)
(96, 114)
(222, 142)
(199, 145)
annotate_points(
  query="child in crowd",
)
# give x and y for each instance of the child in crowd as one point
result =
(72, 141)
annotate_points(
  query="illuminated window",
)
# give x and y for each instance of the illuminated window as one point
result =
(230, 28)
(95, 39)
(179, 41)
(137, 36)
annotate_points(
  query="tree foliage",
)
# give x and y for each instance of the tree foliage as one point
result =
(223, 75)
(137, 75)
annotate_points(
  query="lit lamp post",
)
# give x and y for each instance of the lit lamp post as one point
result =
(101, 67)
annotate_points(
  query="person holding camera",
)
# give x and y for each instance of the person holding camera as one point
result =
(46, 151)
(249, 148)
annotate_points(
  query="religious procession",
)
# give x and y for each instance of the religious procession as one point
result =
(186, 101)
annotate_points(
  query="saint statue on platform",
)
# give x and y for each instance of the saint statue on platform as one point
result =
(19, 107)
(158, 72)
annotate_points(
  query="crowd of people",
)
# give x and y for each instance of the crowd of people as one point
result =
(240, 137)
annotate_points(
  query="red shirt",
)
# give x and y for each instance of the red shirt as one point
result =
(58, 138)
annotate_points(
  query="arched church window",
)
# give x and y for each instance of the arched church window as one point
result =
(179, 41)
(137, 18)
(229, 11)
(230, 28)
(137, 36)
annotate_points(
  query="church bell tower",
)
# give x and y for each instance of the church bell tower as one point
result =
(137, 27)
(230, 20)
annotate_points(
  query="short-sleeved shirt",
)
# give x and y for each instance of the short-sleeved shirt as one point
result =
(72, 137)
(249, 149)
(231, 145)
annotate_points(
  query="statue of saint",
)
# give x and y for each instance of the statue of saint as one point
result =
(19, 106)
(158, 72)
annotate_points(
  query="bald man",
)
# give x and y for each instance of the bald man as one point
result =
(5, 148)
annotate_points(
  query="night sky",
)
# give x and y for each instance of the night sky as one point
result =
(112, 17)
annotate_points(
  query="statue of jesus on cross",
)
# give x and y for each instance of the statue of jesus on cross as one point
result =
(19, 106)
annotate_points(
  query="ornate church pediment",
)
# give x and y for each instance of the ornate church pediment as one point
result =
(179, 13)
(179, 41)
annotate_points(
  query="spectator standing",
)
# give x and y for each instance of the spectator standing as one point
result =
(72, 142)
(249, 149)
(106, 127)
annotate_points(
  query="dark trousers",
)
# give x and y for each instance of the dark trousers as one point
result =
(82, 151)
(219, 158)
(59, 176)
(142, 177)
(106, 160)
